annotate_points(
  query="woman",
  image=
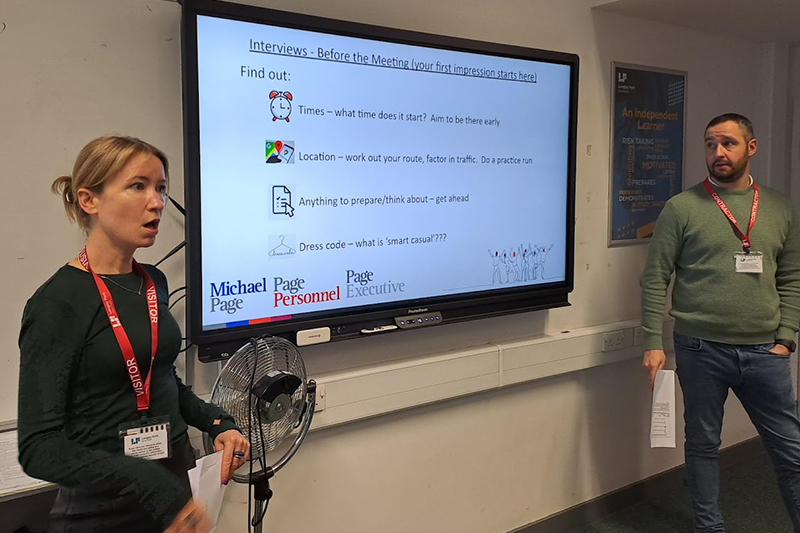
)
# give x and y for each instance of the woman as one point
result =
(98, 393)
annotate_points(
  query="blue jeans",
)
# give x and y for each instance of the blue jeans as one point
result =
(763, 383)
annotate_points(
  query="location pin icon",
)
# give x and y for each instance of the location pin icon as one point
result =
(278, 146)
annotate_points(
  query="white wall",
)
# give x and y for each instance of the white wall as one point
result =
(794, 113)
(487, 463)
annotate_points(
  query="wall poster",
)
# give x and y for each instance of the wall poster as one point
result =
(647, 137)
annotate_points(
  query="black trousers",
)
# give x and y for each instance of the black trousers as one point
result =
(103, 510)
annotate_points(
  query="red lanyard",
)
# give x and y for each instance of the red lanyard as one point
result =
(141, 389)
(727, 212)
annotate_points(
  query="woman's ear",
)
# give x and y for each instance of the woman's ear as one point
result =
(87, 200)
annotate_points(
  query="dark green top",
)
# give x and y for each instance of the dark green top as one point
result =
(710, 300)
(74, 391)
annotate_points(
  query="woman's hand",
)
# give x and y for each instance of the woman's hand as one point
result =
(191, 519)
(235, 451)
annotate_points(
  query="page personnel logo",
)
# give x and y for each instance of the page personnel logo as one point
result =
(288, 293)
(224, 295)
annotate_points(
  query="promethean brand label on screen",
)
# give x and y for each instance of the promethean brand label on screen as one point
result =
(340, 172)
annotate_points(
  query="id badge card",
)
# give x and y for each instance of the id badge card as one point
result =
(751, 263)
(147, 438)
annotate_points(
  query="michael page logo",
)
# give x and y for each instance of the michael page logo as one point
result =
(225, 295)
(361, 284)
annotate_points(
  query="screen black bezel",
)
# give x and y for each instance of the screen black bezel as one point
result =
(347, 322)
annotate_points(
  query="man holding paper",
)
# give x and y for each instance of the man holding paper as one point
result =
(734, 246)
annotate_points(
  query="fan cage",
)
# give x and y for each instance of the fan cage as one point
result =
(231, 391)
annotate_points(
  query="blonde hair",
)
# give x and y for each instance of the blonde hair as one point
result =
(97, 163)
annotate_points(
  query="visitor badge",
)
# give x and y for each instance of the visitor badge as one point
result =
(147, 438)
(749, 263)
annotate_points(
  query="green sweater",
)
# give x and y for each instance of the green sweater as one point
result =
(74, 390)
(710, 300)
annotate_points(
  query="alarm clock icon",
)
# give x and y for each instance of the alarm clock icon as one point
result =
(280, 105)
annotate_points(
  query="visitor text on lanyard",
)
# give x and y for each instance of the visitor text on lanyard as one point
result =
(140, 388)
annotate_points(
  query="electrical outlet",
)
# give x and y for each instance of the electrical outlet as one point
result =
(320, 398)
(638, 336)
(614, 340)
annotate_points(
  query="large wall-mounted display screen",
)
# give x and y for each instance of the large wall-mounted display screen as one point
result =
(342, 176)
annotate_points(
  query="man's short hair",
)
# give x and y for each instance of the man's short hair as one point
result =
(741, 120)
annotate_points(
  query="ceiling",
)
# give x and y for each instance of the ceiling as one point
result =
(759, 21)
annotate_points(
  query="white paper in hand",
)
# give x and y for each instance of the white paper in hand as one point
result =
(662, 419)
(207, 487)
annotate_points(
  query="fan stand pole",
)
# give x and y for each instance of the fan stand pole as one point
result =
(261, 494)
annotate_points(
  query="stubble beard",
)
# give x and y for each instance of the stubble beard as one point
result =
(735, 173)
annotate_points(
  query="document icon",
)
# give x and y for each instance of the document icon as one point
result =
(282, 200)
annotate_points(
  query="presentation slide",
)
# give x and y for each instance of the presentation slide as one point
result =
(338, 172)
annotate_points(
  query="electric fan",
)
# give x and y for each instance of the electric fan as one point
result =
(263, 386)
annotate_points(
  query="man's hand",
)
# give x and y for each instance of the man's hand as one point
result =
(780, 349)
(654, 360)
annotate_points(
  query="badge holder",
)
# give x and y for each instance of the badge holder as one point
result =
(749, 262)
(148, 438)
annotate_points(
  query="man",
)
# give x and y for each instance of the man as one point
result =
(735, 249)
